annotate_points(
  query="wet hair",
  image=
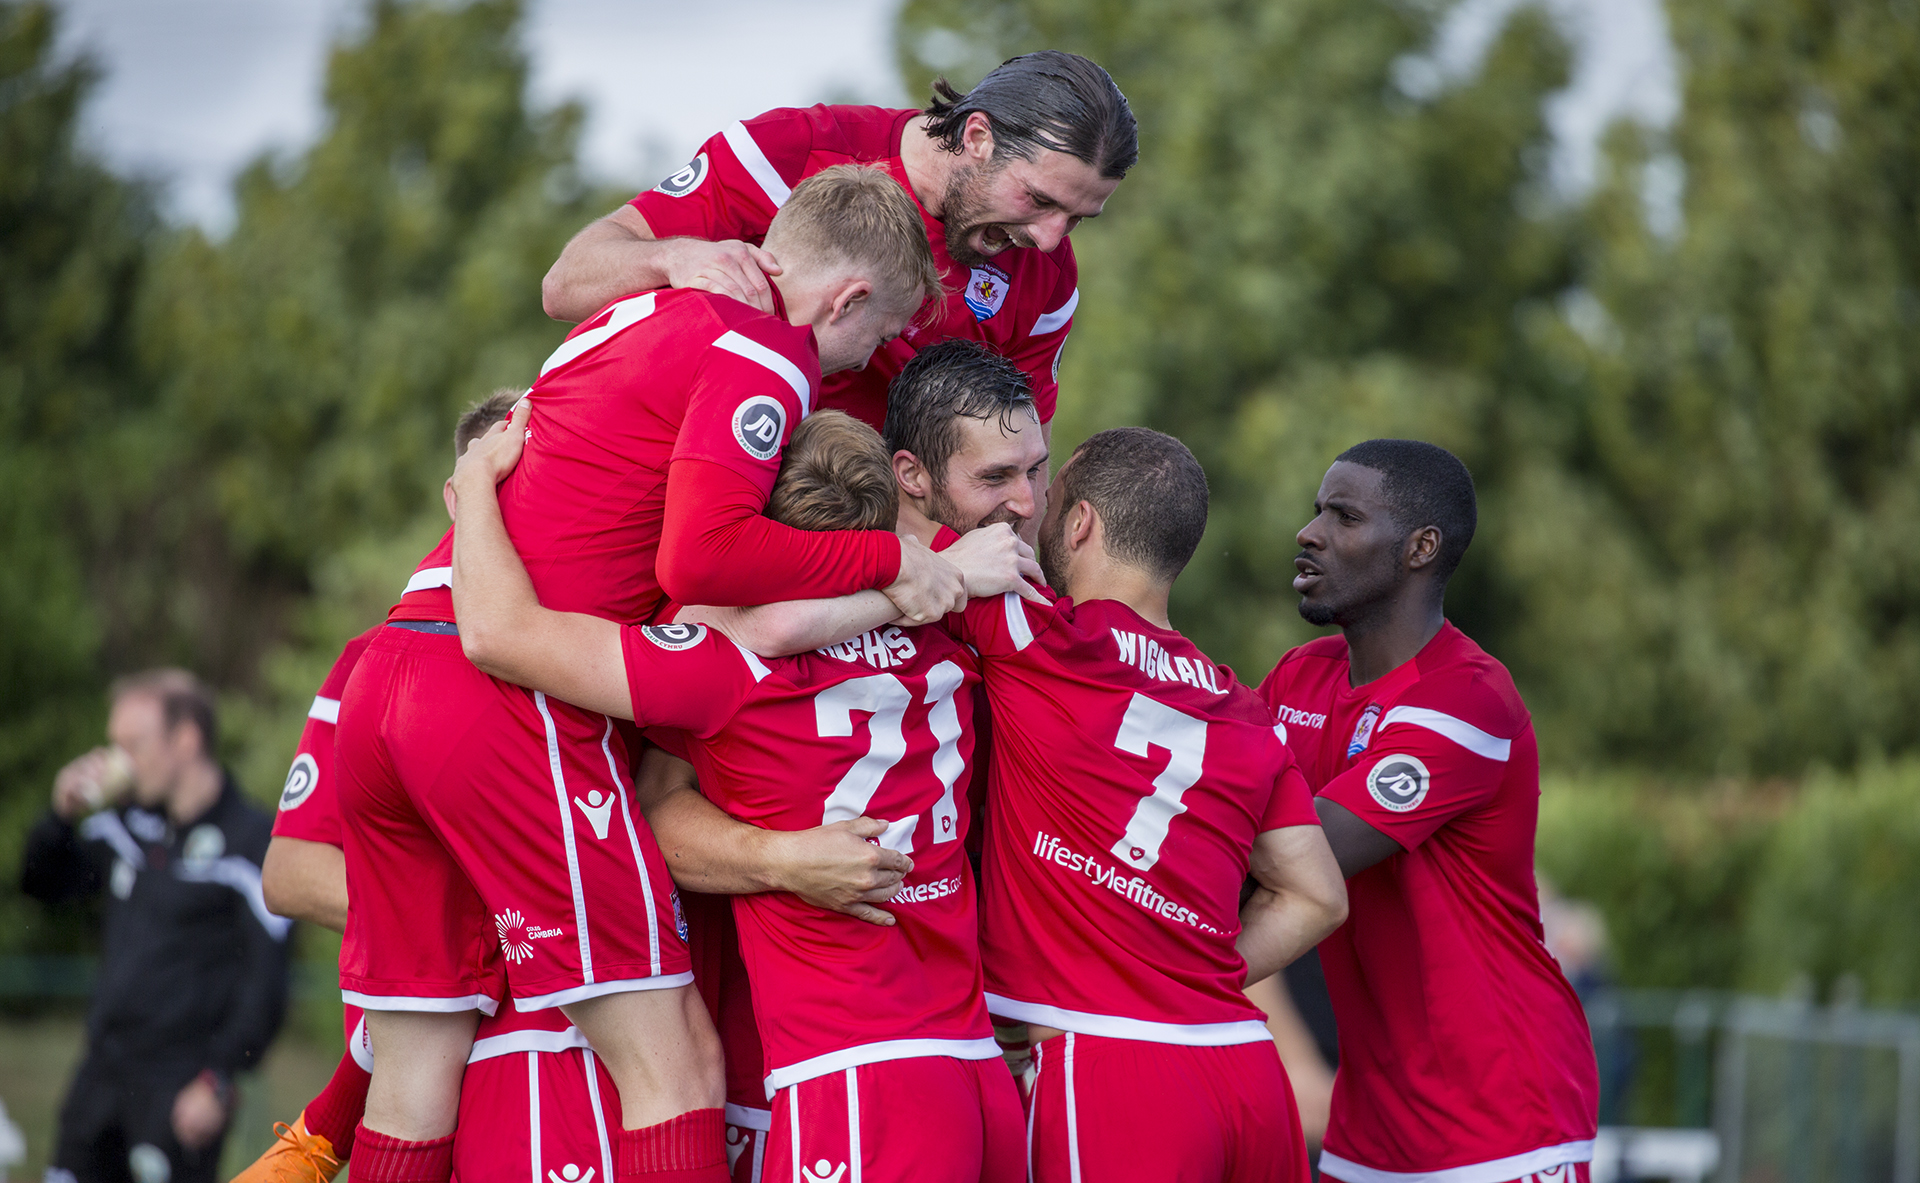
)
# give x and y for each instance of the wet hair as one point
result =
(858, 214)
(1054, 100)
(183, 698)
(1150, 493)
(1424, 485)
(943, 383)
(835, 475)
(476, 419)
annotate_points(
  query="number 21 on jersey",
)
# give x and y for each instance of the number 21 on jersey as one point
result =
(885, 699)
(1150, 723)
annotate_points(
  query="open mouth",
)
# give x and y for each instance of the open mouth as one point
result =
(1308, 576)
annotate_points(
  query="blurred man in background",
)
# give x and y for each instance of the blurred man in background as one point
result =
(193, 973)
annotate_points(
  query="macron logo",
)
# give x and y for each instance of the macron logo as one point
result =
(1293, 718)
(599, 810)
(1146, 655)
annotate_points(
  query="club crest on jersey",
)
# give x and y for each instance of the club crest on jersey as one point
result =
(1363, 730)
(687, 179)
(674, 637)
(986, 291)
(679, 916)
(758, 425)
(301, 779)
(1398, 782)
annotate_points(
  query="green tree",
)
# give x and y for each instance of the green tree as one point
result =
(1728, 574)
(73, 252)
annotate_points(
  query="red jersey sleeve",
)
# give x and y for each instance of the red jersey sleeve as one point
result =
(686, 676)
(1291, 803)
(1440, 752)
(1038, 353)
(735, 184)
(309, 802)
(748, 397)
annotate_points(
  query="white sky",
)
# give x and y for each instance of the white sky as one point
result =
(194, 88)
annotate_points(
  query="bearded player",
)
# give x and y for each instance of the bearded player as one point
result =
(1000, 174)
(665, 415)
(1464, 1054)
(878, 1050)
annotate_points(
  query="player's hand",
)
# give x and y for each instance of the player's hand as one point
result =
(929, 586)
(994, 560)
(495, 454)
(93, 781)
(835, 867)
(198, 1115)
(729, 268)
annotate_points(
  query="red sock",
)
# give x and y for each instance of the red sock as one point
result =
(690, 1148)
(382, 1159)
(335, 1113)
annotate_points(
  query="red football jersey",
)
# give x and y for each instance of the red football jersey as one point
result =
(1461, 1044)
(1130, 777)
(309, 804)
(1019, 303)
(876, 726)
(653, 378)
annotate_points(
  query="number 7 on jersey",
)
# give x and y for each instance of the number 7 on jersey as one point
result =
(1151, 723)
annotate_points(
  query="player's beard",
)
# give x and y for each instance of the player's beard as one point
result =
(1051, 552)
(942, 510)
(962, 208)
(1353, 601)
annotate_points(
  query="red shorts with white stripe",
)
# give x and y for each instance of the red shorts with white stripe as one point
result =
(535, 1105)
(930, 1119)
(747, 1128)
(1116, 1110)
(1347, 1172)
(489, 829)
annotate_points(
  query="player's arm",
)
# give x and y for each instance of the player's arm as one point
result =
(503, 629)
(992, 560)
(618, 254)
(305, 880)
(1356, 845)
(833, 867)
(1301, 898)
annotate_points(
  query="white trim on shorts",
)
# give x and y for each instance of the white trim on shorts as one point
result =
(1498, 1170)
(748, 1118)
(566, 836)
(983, 1048)
(600, 990)
(483, 1003)
(599, 1115)
(1120, 1027)
(533, 1112)
(549, 1042)
(639, 860)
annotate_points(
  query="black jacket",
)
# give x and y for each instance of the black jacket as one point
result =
(193, 969)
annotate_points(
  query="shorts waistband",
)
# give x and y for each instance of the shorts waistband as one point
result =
(440, 628)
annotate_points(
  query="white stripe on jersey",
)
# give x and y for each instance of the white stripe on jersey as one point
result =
(1017, 621)
(753, 351)
(327, 710)
(1458, 730)
(1058, 317)
(525, 1041)
(427, 577)
(754, 664)
(757, 165)
(623, 315)
(1494, 1171)
(1120, 1027)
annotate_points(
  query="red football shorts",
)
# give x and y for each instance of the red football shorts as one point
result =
(528, 1113)
(353, 1021)
(1123, 1109)
(489, 829)
(1566, 1172)
(930, 1119)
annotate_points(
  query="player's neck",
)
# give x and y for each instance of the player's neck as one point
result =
(928, 165)
(1096, 577)
(1389, 638)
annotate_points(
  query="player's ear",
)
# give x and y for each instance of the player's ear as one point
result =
(446, 495)
(914, 479)
(1423, 547)
(1082, 523)
(976, 138)
(854, 296)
